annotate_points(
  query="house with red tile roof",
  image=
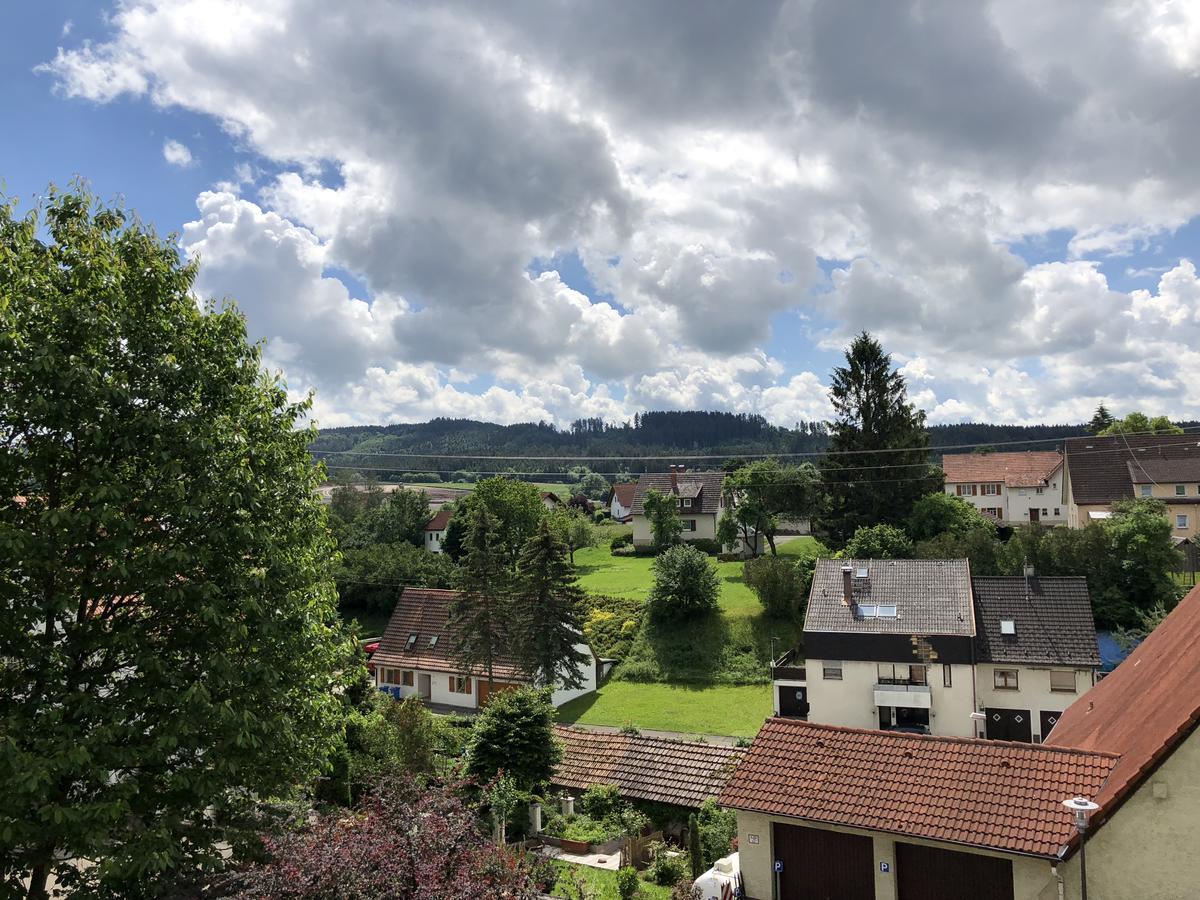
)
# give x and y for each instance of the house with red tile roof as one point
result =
(861, 814)
(416, 658)
(620, 501)
(435, 530)
(1012, 488)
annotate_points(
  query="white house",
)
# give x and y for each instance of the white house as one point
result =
(435, 530)
(1012, 488)
(620, 501)
(918, 645)
(415, 657)
(698, 497)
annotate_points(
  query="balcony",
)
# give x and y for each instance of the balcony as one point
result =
(786, 669)
(911, 696)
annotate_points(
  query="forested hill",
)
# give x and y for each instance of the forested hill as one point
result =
(653, 433)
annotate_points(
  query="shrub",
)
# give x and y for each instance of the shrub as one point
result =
(625, 550)
(718, 830)
(601, 801)
(778, 582)
(611, 624)
(878, 542)
(627, 883)
(706, 545)
(938, 513)
(668, 868)
(685, 890)
(695, 850)
(685, 584)
(621, 540)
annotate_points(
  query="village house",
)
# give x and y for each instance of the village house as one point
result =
(1011, 488)
(435, 530)
(921, 646)
(550, 500)
(677, 773)
(859, 814)
(1099, 471)
(620, 501)
(698, 497)
(415, 658)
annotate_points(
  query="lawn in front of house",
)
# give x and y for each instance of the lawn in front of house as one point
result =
(736, 710)
(600, 884)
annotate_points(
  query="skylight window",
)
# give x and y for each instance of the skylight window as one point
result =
(1008, 626)
(861, 573)
(412, 642)
(433, 640)
(869, 611)
(887, 611)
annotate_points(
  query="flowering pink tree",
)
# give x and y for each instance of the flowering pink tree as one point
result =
(405, 840)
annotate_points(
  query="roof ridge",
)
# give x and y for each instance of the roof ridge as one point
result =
(943, 738)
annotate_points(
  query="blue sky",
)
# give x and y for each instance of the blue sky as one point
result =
(506, 214)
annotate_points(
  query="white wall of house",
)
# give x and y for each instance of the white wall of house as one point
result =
(433, 541)
(850, 702)
(616, 510)
(706, 527)
(1033, 691)
(587, 670)
(1011, 506)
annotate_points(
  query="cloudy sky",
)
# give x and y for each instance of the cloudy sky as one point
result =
(550, 209)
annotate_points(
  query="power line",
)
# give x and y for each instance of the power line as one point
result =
(409, 454)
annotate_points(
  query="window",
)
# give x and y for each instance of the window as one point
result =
(989, 490)
(1062, 681)
(831, 670)
(1181, 521)
(459, 685)
(387, 676)
(966, 490)
(689, 524)
(687, 502)
(1041, 490)
(1056, 512)
(1180, 490)
(993, 511)
(433, 639)
(900, 673)
(947, 675)
(406, 678)
(1045, 512)
(1146, 490)
(411, 642)
(916, 674)
(1005, 679)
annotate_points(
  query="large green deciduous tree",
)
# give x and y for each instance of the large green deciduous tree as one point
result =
(515, 735)
(685, 584)
(663, 512)
(1140, 423)
(516, 507)
(939, 513)
(545, 619)
(765, 491)
(169, 635)
(878, 460)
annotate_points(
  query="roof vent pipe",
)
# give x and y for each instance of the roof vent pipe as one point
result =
(847, 585)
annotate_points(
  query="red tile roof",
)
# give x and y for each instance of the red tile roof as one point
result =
(1144, 709)
(993, 794)
(424, 612)
(1031, 469)
(685, 773)
(440, 520)
(624, 493)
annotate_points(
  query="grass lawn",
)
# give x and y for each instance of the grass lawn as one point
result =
(601, 884)
(736, 710)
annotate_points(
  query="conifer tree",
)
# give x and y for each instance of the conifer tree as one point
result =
(479, 612)
(546, 623)
(879, 462)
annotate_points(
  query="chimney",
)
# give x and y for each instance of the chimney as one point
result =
(1027, 568)
(675, 479)
(847, 585)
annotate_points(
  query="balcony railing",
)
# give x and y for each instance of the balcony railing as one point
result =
(902, 681)
(895, 684)
(787, 668)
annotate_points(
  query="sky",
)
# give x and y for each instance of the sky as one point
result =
(553, 209)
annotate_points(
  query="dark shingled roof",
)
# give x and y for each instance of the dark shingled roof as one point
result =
(706, 486)
(999, 795)
(1053, 619)
(1099, 466)
(1144, 709)
(684, 773)
(931, 596)
(1165, 471)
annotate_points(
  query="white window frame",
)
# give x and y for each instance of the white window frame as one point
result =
(1147, 490)
(999, 675)
(687, 502)
(1181, 490)
(1181, 520)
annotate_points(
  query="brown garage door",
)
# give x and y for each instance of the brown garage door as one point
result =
(823, 865)
(927, 873)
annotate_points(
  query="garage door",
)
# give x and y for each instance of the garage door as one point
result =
(793, 701)
(823, 865)
(1009, 725)
(927, 873)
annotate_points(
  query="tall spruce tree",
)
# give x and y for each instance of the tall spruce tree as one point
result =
(878, 465)
(1101, 420)
(545, 621)
(478, 614)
